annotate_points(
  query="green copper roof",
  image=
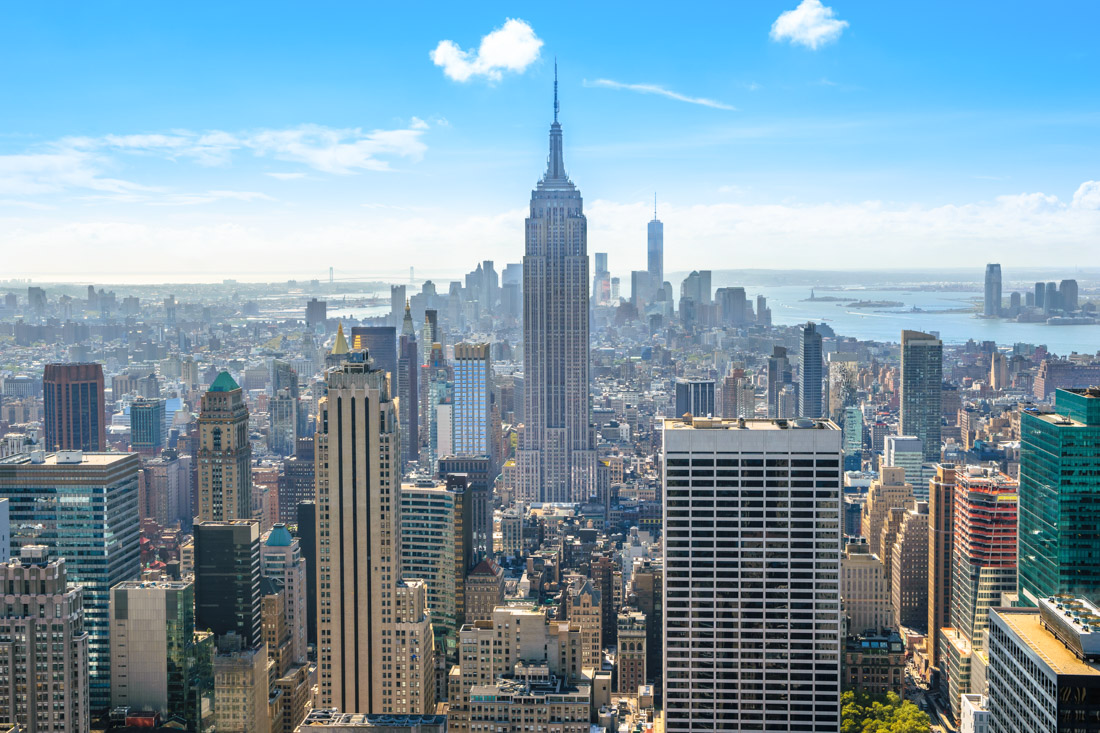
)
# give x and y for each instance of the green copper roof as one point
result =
(279, 536)
(224, 383)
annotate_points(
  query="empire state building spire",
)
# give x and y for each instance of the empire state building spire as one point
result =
(555, 164)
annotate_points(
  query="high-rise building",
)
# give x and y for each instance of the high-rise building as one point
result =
(983, 569)
(655, 248)
(484, 591)
(227, 580)
(864, 590)
(1059, 534)
(556, 459)
(282, 436)
(992, 290)
(241, 690)
(1044, 667)
(1067, 293)
(296, 483)
(167, 497)
(281, 558)
(921, 385)
(147, 425)
(1051, 300)
(1040, 294)
(84, 508)
(157, 663)
(74, 408)
(907, 452)
(909, 568)
(779, 375)
(316, 313)
(380, 342)
(307, 536)
(888, 492)
(810, 372)
(941, 544)
(630, 658)
(408, 394)
(44, 652)
(437, 547)
(362, 662)
(225, 454)
(472, 375)
(695, 397)
(776, 589)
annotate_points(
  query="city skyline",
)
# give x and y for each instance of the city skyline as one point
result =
(784, 144)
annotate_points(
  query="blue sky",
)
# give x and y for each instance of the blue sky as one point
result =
(202, 141)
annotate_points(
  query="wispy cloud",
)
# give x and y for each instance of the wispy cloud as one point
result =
(512, 47)
(811, 24)
(658, 90)
(79, 163)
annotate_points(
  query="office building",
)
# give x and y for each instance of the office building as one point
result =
(779, 376)
(532, 699)
(437, 548)
(241, 690)
(296, 482)
(283, 411)
(157, 663)
(909, 571)
(362, 662)
(992, 291)
(889, 492)
(281, 559)
(408, 394)
(907, 452)
(321, 720)
(1067, 293)
(556, 459)
(227, 580)
(1059, 534)
(921, 385)
(864, 590)
(472, 376)
(784, 611)
(630, 651)
(84, 508)
(307, 537)
(875, 663)
(974, 714)
(810, 372)
(941, 546)
(380, 343)
(74, 408)
(694, 397)
(225, 454)
(147, 425)
(43, 646)
(477, 471)
(655, 248)
(1044, 667)
(316, 313)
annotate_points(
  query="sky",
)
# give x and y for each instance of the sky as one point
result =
(195, 142)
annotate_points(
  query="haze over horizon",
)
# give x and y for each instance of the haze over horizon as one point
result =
(827, 136)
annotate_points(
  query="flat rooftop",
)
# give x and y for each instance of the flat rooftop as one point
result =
(66, 458)
(1025, 624)
(718, 423)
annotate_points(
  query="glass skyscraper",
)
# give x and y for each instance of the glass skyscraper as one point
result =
(921, 385)
(1059, 536)
(84, 508)
(809, 393)
(472, 369)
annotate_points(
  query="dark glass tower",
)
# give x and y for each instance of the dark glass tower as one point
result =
(73, 402)
(809, 393)
(557, 458)
(227, 579)
(1059, 535)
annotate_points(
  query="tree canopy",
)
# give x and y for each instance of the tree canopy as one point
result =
(862, 712)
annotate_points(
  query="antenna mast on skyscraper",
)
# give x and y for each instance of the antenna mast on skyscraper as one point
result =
(555, 89)
(654, 206)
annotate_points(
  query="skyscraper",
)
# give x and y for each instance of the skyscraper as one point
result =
(147, 425)
(695, 397)
(45, 647)
(227, 579)
(752, 626)
(779, 375)
(408, 393)
(84, 508)
(921, 385)
(809, 392)
(941, 544)
(655, 249)
(362, 660)
(472, 372)
(556, 460)
(380, 342)
(73, 406)
(1059, 534)
(992, 290)
(225, 454)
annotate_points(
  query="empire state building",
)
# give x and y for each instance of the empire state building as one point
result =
(556, 460)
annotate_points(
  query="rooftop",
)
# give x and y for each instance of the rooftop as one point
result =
(224, 383)
(714, 423)
(1026, 624)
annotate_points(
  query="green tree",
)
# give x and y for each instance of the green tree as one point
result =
(862, 712)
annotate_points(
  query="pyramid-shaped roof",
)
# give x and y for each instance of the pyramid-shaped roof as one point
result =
(224, 383)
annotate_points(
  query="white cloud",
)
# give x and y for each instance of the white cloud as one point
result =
(512, 47)
(339, 151)
(659, 90)
(1087, 195)
(287, 176)
(379, 240)
(811, 24)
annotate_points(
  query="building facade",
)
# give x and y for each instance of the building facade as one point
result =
(225, 454)
(73, 404)
(921, 385)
